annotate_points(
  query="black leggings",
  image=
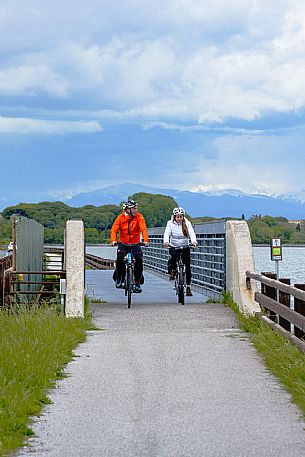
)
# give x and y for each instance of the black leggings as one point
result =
(138, 265)
(186, 259)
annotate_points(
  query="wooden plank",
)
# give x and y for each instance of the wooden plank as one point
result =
(299, 307)
(278, 285)
(295, 318)
(284, 298)
(270, 292)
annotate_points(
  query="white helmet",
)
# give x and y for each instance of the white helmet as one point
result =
(178, 211)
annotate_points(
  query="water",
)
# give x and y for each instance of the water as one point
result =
(292, 266)
(106, 252)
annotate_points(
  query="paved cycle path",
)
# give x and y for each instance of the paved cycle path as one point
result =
(155, 290)
(166, 380)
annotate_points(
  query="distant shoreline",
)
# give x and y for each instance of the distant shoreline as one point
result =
(3, 247)
(284, 245)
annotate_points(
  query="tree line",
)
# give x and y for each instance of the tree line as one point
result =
(156, 209)
(97, 219)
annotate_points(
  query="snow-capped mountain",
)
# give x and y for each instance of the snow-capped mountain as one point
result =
(211, 202)
(297, 196)
(216, 203)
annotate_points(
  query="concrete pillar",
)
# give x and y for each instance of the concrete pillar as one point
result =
(75, 264)
(239, 259)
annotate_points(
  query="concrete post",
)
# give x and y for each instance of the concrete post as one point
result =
(75, 264)
(239, 259)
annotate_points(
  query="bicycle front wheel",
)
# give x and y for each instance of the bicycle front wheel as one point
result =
(181, 287)
(181, 295)
(129, 286)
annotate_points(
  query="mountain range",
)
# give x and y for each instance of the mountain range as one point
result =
(225, 203)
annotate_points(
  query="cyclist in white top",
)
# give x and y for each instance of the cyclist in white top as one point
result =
(179, 233)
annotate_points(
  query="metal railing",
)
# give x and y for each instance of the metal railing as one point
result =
(5, 264)
(20, 290)
(208, 260)
(23, 278)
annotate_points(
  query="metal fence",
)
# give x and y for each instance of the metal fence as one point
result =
(208, 260)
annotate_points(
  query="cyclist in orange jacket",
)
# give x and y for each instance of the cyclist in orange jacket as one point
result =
(129, 224)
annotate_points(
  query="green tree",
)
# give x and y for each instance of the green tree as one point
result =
(91, 235)
(156, 208)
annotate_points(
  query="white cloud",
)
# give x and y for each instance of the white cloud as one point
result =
(30, 79)
(126, 72)
(184, 66)
(253, 164)
(84, 186)
(41, 127)
(184, 59)
(200, 128)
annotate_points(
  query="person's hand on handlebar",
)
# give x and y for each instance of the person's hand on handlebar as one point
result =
(166, 245)
(195, 244)
(146, 243)
(113, 243)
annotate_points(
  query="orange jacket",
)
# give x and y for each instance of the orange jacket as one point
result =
(129, 228)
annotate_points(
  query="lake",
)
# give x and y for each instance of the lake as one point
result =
(292, 266)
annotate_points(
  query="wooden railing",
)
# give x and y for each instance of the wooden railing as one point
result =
(98, 263)
(93, 261)
(285, 304)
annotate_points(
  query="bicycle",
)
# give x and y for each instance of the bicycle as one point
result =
(128, 284)
(180, 276)
(179, 284)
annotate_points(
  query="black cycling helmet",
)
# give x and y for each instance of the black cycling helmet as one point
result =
(129, 204)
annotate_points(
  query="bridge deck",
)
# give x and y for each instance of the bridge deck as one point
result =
(165, 380)
(100, 285)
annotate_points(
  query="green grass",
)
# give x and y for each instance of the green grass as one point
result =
(212, 300)
(97, 300)
(36, 344)
(281, 357)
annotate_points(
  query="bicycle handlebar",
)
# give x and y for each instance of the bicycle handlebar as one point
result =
(132, 244)
(182, 247)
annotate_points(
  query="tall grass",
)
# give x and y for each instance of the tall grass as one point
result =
(281, 357)
(35, 345)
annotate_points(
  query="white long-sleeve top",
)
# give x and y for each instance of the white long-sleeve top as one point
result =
(173, 234)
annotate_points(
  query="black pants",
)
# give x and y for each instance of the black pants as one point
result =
(186, 259)
(136, 250)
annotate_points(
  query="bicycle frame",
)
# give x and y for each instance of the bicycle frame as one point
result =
(129, 271)
(129, 277)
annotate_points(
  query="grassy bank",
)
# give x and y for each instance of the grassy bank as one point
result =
(35, 346)
(281, 357)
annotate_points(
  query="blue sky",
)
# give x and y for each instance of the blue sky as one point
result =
(194, 95)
